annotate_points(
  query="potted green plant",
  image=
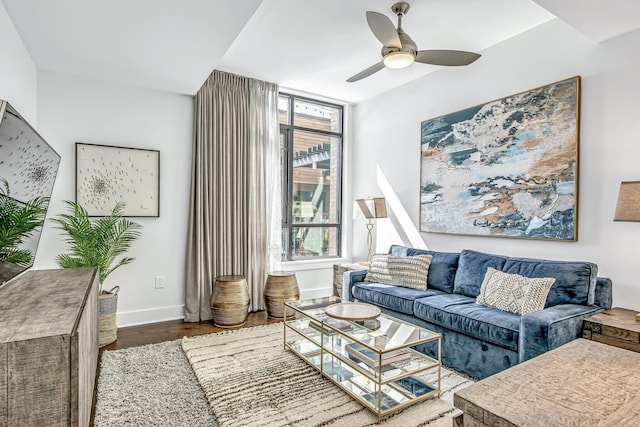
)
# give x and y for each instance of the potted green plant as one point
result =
(18, 221)
(101, 243)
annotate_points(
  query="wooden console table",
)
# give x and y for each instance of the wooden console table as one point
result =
(582, 383)
(617, 327)
(48, 347)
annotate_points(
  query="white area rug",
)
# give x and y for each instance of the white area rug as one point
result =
(151, 385)
(249, 379)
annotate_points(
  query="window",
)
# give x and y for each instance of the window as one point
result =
(311, 159)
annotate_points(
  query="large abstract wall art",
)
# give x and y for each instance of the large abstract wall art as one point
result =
(507, 168)
(106, 175)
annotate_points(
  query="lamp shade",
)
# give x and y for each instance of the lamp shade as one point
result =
(370, 208)
(628, 206)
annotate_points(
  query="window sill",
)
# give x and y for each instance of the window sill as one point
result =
(313, 264)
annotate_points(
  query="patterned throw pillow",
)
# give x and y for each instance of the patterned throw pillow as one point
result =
(406, 271)
(514, 293)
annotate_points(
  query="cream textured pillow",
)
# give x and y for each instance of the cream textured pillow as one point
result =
(406, 271)
(514, 293)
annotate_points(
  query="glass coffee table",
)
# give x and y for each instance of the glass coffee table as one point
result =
(372, 360)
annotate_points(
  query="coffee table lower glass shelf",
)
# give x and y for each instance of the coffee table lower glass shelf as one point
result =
(373, 360)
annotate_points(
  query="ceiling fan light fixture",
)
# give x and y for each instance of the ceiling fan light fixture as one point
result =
(398, 59)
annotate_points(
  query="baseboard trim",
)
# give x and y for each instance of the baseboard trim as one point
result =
(152, 315)
(162, 314)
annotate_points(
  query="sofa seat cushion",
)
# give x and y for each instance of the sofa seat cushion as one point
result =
(442, 269)
(392, 297)
(462, 314)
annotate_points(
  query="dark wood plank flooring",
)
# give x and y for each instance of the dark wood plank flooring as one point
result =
(153, 333)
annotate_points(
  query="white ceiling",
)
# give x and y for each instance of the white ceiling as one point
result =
(306, 45)
(169, 45)
(597, 19)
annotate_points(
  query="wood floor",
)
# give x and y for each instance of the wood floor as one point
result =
(153, 333)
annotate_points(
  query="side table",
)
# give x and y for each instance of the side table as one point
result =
(230, 301)
(617, 327)
(338, 271)
(281, 287)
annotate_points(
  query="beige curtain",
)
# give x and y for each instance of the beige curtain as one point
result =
(234, 219)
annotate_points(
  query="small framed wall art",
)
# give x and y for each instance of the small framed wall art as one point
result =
(506, 168)
(106, 175)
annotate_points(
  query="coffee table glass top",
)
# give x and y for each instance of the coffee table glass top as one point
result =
(384, 333)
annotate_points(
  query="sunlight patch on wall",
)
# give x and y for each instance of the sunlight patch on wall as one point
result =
(399, 227)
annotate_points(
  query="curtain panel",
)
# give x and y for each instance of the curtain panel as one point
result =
(234, 216)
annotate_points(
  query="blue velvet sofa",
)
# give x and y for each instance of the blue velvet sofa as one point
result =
(480, 340)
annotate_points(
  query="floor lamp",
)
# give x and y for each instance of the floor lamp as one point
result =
(370, 209)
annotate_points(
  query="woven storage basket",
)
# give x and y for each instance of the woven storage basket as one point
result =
(107, 321)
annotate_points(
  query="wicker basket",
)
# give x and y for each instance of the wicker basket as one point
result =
(107, 320)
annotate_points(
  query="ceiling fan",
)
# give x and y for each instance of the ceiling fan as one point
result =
(399, 50)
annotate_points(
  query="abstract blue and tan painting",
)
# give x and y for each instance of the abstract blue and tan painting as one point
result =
(507, 168)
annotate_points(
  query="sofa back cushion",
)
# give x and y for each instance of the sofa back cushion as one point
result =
(472, 269)
(442, 270)
(575, 280)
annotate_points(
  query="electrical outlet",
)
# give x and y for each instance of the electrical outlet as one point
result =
(159, 282)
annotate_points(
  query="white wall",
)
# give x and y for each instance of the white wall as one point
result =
(387, 135)
(74, 109)
(18, 73)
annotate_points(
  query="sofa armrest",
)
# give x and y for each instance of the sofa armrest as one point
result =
(350, 278)
(552, 327)
(604, 293)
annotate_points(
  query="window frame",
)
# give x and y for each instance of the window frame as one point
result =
(287, 131)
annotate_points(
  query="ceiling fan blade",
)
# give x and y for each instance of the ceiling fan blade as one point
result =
(366, 73)
(449, 58)
(383, 29)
